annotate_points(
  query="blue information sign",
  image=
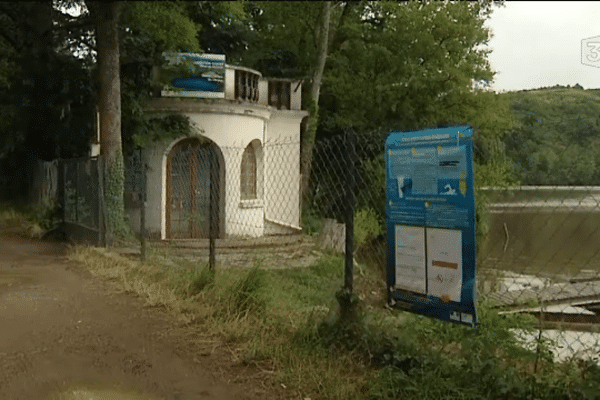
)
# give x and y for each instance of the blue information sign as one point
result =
(431, 223)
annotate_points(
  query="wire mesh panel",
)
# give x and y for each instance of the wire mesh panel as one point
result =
(256, 200)
(538, 246)
(281, 180)
(549, 230)
(328, 197)
(82, 202)
(328, 173)
(539, 254)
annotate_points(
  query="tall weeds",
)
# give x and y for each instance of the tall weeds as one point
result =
(288, 325)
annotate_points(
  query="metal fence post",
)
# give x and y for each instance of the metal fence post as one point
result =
(143, 206)
(213, 207)
(101, 212)
(60, 181)
(76, 191)
(350, 168)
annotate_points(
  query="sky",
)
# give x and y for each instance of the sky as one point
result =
(539, 44)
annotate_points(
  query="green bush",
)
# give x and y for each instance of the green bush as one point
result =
(366, 226)
(44, 215)
(312, 222)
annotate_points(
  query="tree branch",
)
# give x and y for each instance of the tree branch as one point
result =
(334, 39)
(84, 41)
(4, 9)
(69, 22)
(11, 41)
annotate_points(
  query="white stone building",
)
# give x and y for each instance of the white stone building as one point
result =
(253, 137)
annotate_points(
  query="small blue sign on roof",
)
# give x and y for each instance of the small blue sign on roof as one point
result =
(195, 75)
(431, 260)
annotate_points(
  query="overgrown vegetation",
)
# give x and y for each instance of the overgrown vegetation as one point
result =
(286, 324)
(26, 220)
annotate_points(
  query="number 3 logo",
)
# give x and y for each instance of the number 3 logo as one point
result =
(594, 51)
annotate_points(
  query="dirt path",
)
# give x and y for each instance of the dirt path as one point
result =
(59, 326)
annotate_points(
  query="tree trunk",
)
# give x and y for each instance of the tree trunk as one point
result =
(109, 107)
(312, 122)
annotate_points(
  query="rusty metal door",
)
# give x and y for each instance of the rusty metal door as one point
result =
(188, 190)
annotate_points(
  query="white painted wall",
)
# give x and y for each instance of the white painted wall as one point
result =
(296, 96)
(229, 82)
(244, 218)
(228, 130)
(232, 133)
(156, 182)
(263, 92)
(282, 168)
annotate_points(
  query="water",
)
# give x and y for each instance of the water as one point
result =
(544, 236)
(543, 233)
(564, 345)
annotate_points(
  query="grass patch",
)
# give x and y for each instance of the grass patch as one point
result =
(287, 325)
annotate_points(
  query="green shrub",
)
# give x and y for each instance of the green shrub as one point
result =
(312, 222)
(44, 215)
(366, 226)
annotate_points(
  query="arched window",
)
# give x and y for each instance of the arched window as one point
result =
(248, 174)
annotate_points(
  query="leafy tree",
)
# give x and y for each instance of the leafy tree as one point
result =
(45, 93)
(288, 45)
(557, 139)
(165, 23)
(223, 26)
(49, 66)
(408, 65)
(389, 66)
(144, 43)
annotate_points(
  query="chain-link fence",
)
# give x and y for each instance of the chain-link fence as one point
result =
(539, 254)
(538, 247)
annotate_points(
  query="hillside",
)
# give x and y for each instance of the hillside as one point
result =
(558, 141)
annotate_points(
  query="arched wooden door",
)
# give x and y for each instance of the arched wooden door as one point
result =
(189, 186)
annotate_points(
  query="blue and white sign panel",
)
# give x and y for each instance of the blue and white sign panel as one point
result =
(431, 223)
(194, 75)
